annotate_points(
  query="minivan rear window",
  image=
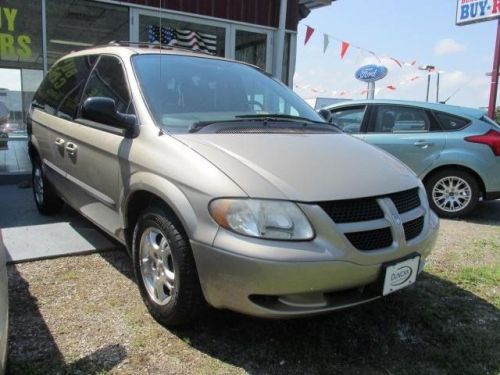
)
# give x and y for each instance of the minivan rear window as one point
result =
(184, 90)
(60, 92)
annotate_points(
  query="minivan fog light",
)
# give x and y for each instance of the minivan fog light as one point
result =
(277, 220)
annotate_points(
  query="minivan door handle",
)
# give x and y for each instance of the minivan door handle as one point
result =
(423, 144)
(71, 149)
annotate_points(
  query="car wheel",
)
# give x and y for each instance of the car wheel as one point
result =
(46, 199)
(165, 269)
(452, 193)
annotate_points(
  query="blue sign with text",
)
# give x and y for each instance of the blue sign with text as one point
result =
(470, 11)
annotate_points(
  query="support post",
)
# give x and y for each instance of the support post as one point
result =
(371, 90)
(280, 40)
(494, 76)
(437, 88)
(428, 85)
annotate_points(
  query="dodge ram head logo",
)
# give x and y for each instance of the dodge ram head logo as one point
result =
(397, 219)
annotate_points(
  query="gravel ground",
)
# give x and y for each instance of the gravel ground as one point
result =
(85, 315)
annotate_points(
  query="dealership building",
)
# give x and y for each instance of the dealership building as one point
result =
(35, 33)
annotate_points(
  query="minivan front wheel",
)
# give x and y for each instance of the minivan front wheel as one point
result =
(165, 269)
(46, 199)
(452, 193)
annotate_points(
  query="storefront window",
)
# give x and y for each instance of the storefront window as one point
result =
(21, 62)
(210, 39)
(251, 48)
(74, 25)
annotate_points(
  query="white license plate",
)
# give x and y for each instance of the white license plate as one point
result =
(400, 275)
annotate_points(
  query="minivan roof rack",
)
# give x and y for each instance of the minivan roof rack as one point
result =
(129, 43)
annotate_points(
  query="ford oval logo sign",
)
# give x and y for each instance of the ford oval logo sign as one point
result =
(371, 73)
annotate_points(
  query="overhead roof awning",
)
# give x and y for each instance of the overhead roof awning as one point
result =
(312, 4)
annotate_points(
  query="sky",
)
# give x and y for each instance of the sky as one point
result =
(407, 30)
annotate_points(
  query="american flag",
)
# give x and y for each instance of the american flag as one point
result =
(183, 38)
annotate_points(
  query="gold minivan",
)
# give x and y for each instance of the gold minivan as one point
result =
(227, 189)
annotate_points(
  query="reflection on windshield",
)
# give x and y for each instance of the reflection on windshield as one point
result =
(184, 90)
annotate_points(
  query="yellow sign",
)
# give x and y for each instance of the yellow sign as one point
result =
(12, 45)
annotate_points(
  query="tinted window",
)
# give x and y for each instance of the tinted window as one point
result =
(183, 90)
(348, 119)
(108, 80)
(450, 122)
(399, 119)
(60, 92)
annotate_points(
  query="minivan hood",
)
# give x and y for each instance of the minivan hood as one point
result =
(303, 167)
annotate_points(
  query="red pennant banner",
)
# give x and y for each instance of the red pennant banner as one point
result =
(309, 33)
(414, 78)
(396, 61)
(391, 87)
(343, 49)
(375, 55)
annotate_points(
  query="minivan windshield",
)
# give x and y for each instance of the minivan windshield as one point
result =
(183, 92)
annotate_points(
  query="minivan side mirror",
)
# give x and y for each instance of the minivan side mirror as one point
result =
(103, 110)
(325, 114)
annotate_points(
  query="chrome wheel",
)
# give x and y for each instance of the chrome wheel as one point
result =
(157, 266)
(452, 194)
(38, 185)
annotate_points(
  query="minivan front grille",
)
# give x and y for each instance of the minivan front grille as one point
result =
(352, 210)
(371, 239)
(368, 209)
(406, 200)
(413, 228)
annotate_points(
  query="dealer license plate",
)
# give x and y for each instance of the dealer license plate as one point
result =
(400, 275)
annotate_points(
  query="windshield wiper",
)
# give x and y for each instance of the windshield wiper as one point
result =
(278, 117)
(195, 126)
(275, 117)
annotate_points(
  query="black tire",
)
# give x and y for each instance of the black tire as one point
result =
(47, 201)
(475, 192)
(185, 301)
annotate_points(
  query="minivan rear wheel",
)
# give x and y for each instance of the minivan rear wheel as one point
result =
(452, 193)
(46, 199)
(165, 269)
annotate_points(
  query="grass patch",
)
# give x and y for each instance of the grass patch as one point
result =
(448, 323)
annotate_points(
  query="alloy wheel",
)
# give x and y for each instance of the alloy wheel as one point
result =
(38, 185)
(452, 194)
(157, 266)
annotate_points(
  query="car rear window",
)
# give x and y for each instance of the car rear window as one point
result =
(449, 122)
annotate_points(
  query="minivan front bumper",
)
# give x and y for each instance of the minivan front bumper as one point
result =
(281, 288)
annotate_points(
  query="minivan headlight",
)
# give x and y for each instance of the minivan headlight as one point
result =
(277, 220)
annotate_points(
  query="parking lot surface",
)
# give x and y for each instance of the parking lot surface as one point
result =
(83, 314)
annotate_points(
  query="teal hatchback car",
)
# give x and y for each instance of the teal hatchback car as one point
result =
(454, 150)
